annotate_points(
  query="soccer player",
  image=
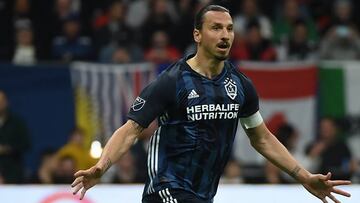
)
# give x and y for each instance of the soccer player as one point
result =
(199, 101)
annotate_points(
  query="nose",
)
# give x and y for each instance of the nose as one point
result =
(225, 34)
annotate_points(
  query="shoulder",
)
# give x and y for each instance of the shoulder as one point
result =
(172, 72)
(237, 73)
(166, 81)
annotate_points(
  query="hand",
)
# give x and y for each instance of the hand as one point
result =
(85, 179)
(321, 186)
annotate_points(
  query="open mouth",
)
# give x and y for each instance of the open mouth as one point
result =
(223, 45)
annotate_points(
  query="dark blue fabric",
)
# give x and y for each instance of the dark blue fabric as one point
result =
(193, 143)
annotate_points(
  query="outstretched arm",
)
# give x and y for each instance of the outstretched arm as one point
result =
(319, 185)
(118, 144)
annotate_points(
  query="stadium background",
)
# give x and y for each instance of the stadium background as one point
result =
(73, 63)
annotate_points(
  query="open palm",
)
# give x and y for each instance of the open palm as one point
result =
(321, 186)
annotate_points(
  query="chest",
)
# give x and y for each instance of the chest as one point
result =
(201, 99)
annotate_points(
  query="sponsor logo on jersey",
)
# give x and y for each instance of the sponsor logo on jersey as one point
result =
(138, 104)
(230, 87)
(212, 111)
(193, 95)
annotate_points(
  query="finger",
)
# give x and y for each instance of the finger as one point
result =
(333, 198)
(83, 191)
(81, 173)
(324, 200)
(341, 192)
(339, 182)
(323, 177)
(328, 176)
(77, 181)
(77, 188)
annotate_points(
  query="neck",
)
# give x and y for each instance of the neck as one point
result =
(207, 66)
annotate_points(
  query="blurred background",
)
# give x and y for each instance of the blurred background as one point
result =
(70, 70)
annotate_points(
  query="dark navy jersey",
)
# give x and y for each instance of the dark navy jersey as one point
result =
(198, 118)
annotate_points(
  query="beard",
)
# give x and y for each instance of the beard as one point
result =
(212, 52)
(221, 57)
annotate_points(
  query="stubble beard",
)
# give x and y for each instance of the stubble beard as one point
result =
(221, 58)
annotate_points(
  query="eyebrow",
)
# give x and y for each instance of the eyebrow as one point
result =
(220, 24)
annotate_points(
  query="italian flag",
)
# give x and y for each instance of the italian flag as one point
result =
(287, 93)
(339, 88)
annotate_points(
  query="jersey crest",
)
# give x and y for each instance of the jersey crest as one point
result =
(230, 87)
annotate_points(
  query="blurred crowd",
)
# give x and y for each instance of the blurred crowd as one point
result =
(160, 31)
(125, 31)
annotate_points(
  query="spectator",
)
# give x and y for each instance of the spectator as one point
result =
(71, 45)
(64, 9)
(115, 31)
(25, 52)
(64, 170)
(232, 173)
(299, 47)
(126, 171)
(254, 47)
(332, 152)
(284, 25)
(14, 142)
(138, 11)
(46, 169)
(341, 43)
(121, 54)
(22, 9)
(75, 149)
(159, 18)
(343, 14)
(161, 51)
(250, 12)
(185, 24)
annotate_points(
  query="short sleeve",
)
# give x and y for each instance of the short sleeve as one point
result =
(152, 101)
(251, 104)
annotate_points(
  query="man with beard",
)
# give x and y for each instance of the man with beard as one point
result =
(199, 101)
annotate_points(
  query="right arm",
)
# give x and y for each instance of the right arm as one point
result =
(151, 103)
(118, 144)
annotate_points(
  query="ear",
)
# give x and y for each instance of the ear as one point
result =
(197, 35)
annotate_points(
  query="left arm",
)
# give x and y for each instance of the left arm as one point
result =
(267, 144)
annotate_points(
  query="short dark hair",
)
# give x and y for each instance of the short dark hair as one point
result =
(199, 18)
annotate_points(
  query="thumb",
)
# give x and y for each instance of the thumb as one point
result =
(325, 177)
(328, 176)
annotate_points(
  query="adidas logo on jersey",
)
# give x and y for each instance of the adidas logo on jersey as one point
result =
(193, 95)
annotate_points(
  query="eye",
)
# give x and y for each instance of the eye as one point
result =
(216, 27)
(230, 28)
